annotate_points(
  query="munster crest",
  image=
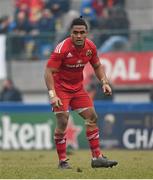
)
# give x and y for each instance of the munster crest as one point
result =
(89, 53)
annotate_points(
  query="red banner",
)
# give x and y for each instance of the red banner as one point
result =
(131, 68)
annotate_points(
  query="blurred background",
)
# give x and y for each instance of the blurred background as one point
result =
(123, 33)
(30, 29)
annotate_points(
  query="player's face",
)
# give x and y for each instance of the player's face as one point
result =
(78, 35)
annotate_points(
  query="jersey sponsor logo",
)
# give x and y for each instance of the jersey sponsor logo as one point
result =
(75, 65)
(89, 53)
(79, 61)
(79, 64)
(69, 55)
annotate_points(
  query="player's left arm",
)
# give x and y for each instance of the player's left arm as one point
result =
(101, 75)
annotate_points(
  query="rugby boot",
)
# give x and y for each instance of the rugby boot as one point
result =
(64, 165)
(102, 162)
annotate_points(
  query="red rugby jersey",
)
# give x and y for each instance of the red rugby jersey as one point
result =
(71, 61)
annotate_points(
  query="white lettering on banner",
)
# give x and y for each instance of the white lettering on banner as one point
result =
(151, 69)
(126, 137)
(121, 70)
(25, 136)
(133, 75)
(141, 139)
(43, 139)
(151, 140)
(9, 134)
(118, 70)
(107, 65)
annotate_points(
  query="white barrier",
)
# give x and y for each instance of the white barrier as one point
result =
(3, 72)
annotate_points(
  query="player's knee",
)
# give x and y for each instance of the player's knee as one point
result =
(92, 121)
(94, 117)
(62, 122)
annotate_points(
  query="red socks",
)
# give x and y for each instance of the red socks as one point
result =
(60, 142)
(93, 138)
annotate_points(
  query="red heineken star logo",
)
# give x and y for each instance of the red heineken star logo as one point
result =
(72, 134)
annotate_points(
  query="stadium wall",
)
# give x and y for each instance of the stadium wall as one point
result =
(7, 8)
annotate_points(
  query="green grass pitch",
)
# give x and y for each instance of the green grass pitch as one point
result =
(43, 165)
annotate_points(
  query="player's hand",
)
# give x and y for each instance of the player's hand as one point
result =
(56, 101)
(107, 89)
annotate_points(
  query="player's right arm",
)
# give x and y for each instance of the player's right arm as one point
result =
(54, 99)
(49, 77)
(53, 66)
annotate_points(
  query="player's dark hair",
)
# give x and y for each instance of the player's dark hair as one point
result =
(79, 21)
